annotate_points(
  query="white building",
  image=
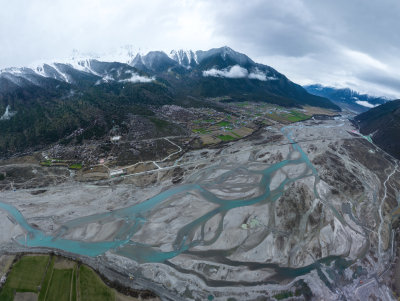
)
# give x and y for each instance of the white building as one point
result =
(116, 172)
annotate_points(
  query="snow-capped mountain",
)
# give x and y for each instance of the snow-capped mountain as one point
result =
(185, 58)
(91, 69)
(50, 101)
(212, 73)
(76, 72)
(347, 98)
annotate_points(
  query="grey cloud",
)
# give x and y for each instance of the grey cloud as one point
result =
(330, 42)
(383, 80)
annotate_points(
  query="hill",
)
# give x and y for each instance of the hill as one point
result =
(383, 124)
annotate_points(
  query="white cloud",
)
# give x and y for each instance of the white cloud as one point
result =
(233, 72)
(238, 72)
(365, 104)
(136, 78)
(258, 74)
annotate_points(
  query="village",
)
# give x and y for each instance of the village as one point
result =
(205, 127)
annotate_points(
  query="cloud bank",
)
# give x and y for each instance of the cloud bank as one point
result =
(237, 71)
(365, 104)
(232, 72)
(339, 43)
(136, 78)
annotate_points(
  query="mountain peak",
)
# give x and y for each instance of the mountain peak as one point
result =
(186, 58)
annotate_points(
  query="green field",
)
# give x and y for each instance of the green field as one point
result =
(27, 273)
(226, 137)
(25, 276)
(92, 287)
(73, 292)
(224, 123)
(60, 285)
(293, 116)
(200, 131)
(46, 280)
(52, 282)
(75, 166)
(46, 163)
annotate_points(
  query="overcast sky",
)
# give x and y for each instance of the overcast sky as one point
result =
(346, 43)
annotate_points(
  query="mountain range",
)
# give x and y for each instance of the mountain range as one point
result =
(346, 98)
(49, 101)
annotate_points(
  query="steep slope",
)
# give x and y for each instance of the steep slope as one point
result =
(347, 98)
(383, 123)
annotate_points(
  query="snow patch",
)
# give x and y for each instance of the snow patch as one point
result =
(365, 104)
(7, 114)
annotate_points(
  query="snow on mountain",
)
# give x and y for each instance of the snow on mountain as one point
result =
(7, 114)
(61, 69)
(65, 70)
(185, 58)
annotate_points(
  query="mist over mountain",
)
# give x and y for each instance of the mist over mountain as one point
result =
(346, 98)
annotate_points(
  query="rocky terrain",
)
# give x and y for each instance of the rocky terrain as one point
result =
(305, 209)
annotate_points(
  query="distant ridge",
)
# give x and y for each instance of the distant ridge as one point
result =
(346, 98)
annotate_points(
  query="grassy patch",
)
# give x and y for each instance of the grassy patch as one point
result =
(200, 131)
(92, 287)
(73, 293)
(2, 176)
(295, 116)
(7, 293)
(46, 280)
(75, 166)
(226, 137)
(27, 273)
(224, 123)
(60, 286)
(25, 276)
(46, 163)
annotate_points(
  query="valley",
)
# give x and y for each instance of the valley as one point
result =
(143, 159)
(252, 202)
